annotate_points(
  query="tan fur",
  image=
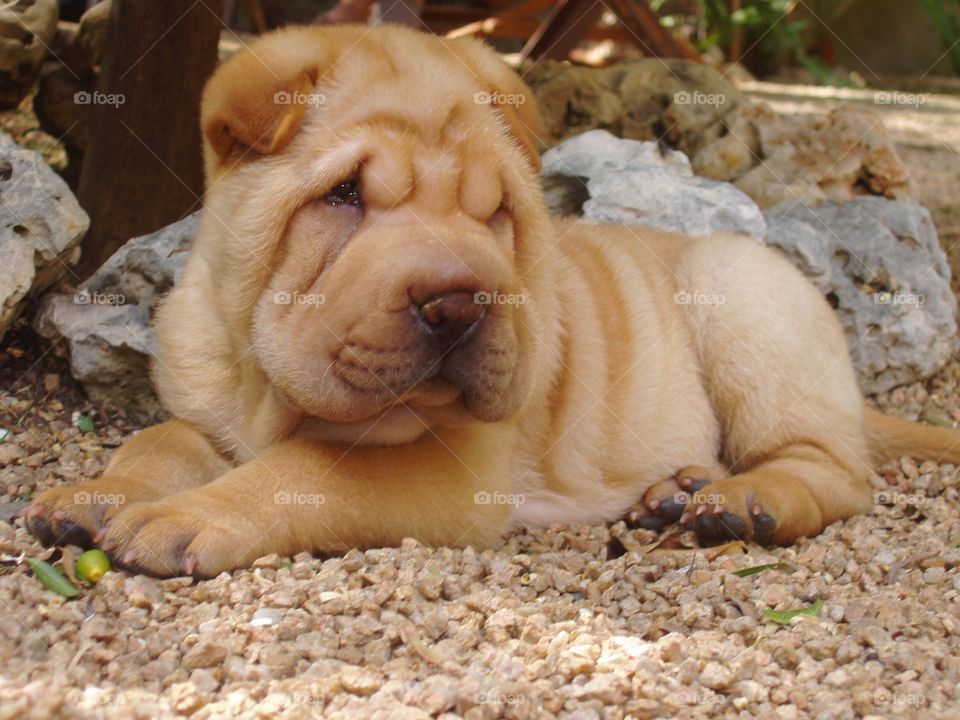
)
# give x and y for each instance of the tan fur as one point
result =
(891, 438)
(326, 425)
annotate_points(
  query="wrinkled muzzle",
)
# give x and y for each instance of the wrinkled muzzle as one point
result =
(406, 314)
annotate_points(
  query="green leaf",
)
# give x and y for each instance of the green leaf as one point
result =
(786, 617)
(85, 423)
(746, 572)
(52, 579)
(748, 17)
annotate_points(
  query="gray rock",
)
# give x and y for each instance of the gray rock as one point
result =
(41, 226)
(880, 264)
(637, 183)
(105, 325)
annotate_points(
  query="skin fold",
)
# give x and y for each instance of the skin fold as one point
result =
(381, 334)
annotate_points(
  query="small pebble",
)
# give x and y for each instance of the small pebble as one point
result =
(205, 654)
(265, 617)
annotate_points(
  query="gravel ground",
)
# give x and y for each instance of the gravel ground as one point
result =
(575, 622)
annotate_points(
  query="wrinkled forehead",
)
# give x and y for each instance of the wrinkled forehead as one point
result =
(443, 159)
(410, 118)
(425, 62)
(402, 117)
(432, 90)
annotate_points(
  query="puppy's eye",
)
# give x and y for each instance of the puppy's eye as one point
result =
(346, 193)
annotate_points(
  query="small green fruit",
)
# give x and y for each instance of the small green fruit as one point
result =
(93, 565)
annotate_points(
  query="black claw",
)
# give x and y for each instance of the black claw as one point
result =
(72, 534)
(707, 527)
(671, 509)
(763, 527)
(41, 529)
(733, 526)
(58, 532)
(646, 522)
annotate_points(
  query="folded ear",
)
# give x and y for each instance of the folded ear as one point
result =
(506, 92)
(256, 100)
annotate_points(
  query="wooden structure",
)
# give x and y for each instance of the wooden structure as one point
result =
(550, 28)
(566, 24)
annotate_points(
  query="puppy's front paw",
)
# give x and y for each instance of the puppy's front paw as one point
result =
(185, 534)
(74, 514)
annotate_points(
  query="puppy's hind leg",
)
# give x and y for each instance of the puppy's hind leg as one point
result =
(778, 373)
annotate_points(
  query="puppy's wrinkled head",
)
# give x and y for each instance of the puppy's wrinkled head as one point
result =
(377, 224)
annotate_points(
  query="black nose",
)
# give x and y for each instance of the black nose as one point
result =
(450, 316)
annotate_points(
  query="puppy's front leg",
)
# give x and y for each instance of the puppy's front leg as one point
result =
(159, 461)
(304, 496)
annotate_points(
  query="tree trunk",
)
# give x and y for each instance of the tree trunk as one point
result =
(143, 167)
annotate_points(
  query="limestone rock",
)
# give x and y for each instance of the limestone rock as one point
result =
(92, 34)
(879, 263)
(105, 325)
(68, 80)
(838, 155)
(41, 226)
(26, 32)
(677, 102)
(639, 183)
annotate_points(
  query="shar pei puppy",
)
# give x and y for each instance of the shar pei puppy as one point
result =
(381, 334)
